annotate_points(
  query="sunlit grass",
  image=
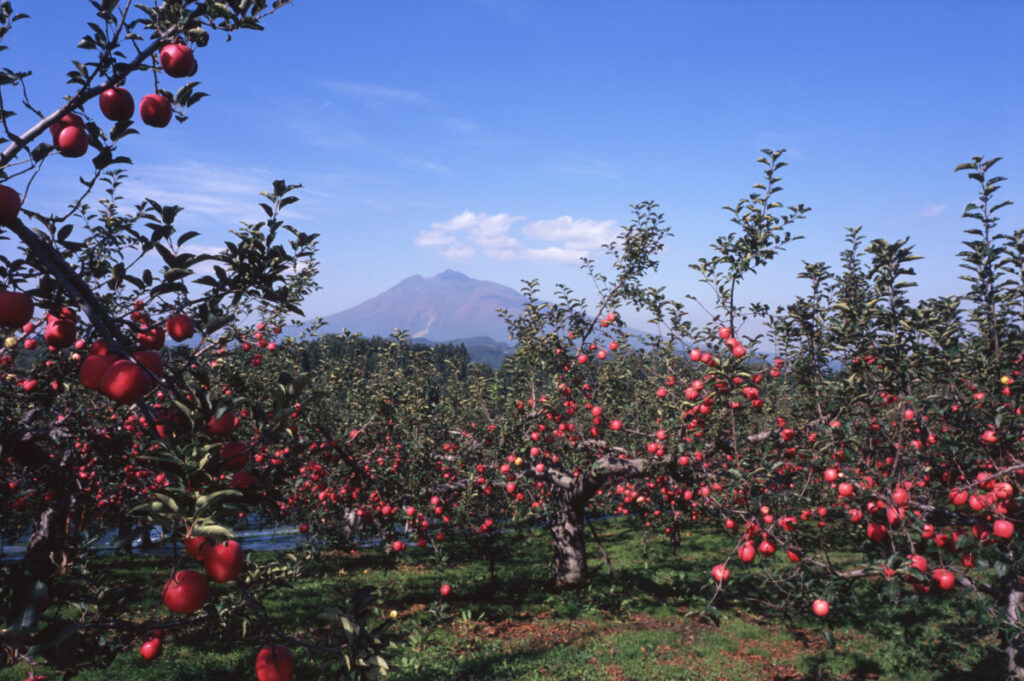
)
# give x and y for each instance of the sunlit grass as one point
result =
(645, 623)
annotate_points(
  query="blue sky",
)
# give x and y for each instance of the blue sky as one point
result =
(504, 139)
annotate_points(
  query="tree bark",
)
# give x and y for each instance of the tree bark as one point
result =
(1015, 640)
(569, 542)
(47, 541)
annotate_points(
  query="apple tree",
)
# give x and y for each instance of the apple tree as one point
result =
(104, 424)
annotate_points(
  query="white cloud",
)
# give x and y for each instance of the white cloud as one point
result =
(458, 252)
(376, 94)
(501, 237)
(932, 211)
(576, 234)
(430, 238)
(427, 165)
(586, 166)
(227, 194)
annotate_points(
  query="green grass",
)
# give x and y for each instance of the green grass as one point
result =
(646, 624)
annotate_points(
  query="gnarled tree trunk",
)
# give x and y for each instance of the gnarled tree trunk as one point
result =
(569, 541)
(1015, 640)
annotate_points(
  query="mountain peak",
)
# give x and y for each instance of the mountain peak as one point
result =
(444, 307)
(451, 275)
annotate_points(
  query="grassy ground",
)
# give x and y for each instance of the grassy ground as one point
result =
(646, 623)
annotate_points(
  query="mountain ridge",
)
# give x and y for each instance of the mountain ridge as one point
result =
(449, 306)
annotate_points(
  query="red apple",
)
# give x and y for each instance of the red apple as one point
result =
(198, 546)
(69, 120)
(275, 664)
(125, 382)
(224, 561)
(945, 578)
(60, 328)
(155, 110)
(445, 589)
(180, 327)
(16, 308)
(234, 455)
(73, 141)
(222, 426)
(242, 480)
(117, 104)
(747, 552)
(820, 607)
(92, 369)
(719, 573)
(1002, 529)
(877, 532)
(151, 338)
(186, 592)
(151, 361)
(151, 649)
(177, 60)
(10, 204)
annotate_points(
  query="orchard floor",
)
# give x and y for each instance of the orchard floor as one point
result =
(648, 623)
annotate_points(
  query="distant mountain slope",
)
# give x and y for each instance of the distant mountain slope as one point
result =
(445, 307)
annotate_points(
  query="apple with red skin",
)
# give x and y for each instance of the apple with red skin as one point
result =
(445, 589)
(242, 480)
(60, 328)
(151, 339)
(151, 360)
(10, 204)
(223, 425)
(117, 104)
(16, 308)
(177, 60)
(186, 592)
(180, 327)
(275, 664)
(155, 110)
(720, 573)
(224, 562)
(125, 382)
(747, 552)
(68, 120)
(73, 141)
(820, 607)
(945, 578)
(198, 546)
(151, 649)
(234, 455)
(92, 369)
(1002, 529)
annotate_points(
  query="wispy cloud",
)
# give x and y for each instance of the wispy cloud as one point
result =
(586, 166)
(371, 94)
(932, 211)
(316, 134)
(224, 193)
(474, 134)
(426, 165)
(212, 195)
(467, 234)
